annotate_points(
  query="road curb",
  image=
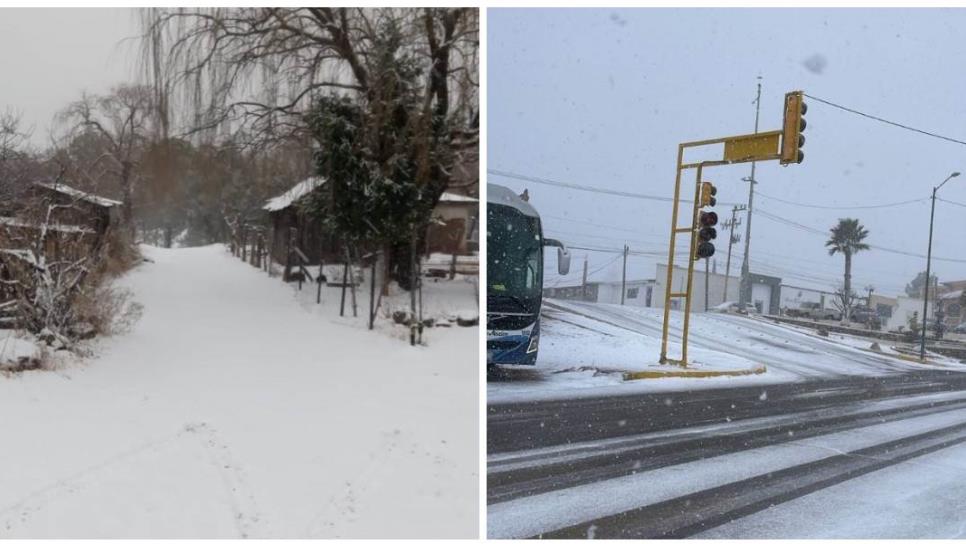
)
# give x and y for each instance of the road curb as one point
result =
(684, 373)
(904, 357)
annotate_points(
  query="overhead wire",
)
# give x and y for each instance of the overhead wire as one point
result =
(886, 121)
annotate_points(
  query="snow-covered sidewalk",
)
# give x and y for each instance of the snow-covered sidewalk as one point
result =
(587, 349)
(230, 410)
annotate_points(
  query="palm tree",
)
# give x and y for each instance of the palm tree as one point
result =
(846, 239)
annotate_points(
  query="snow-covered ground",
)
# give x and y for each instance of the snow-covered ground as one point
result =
(921, 497)
(585, 348)
(237, 408)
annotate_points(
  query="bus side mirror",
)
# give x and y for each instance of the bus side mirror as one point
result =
(563, 261)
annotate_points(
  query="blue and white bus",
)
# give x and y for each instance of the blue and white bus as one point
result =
(514, 277)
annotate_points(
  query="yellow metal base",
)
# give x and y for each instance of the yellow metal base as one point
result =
(684, 373)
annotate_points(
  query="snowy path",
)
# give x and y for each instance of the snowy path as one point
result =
(233, 411)
(796, 460)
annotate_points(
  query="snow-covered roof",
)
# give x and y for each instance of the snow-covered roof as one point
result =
(289, 197)
(498, 194)
(952, 295)
(14, 222)
(453, 197)
(77, 194)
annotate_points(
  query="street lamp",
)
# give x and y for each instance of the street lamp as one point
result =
(925, 294)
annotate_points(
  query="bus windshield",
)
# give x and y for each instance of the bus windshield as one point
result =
(514, 256)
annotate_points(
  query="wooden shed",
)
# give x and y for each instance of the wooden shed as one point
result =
(455, 226)
(292, 229)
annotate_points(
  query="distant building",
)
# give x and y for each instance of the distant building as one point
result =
(455, 228)
(586, 293)
(650, 292)
(636, 292)
(679, 280)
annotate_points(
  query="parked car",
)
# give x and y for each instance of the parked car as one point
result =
(961, 328)
(814, 310)
(862, 314)
(734, 307)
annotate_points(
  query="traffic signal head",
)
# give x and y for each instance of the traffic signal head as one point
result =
(704, 250)
(707, 219)
(708, 190)
(792, 128)
(706, 232)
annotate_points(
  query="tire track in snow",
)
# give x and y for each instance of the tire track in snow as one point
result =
(691, 514)
(560, 467)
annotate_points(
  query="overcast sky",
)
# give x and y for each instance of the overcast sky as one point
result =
(603, 97)
(50, 56)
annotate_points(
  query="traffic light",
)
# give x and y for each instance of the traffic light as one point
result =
(706, 233)
(708, 190)
(706, 221)
(792, 128)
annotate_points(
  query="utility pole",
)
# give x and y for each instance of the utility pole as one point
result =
(583, 289)
(732, 238)
(624, 276)
(925, 297)
(706, 284)
(744, 294)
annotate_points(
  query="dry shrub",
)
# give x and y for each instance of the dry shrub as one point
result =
(106, 310)
(117, 255)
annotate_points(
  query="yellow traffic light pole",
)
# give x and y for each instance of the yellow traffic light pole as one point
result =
(782, 145)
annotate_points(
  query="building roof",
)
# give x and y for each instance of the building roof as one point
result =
(498, 194)
(56, 227)
(77, 194)
(456, 198)
(952, 295)
(291, 196)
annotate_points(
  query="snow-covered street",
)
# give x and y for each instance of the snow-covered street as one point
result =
(834, 440)
(863, 457)
(586, 348)
(233, 409)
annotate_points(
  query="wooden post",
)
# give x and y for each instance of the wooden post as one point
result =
(287, 273)
(412, 290)
(352, 286)
(318, 295)
(372, 292)
(345, 272)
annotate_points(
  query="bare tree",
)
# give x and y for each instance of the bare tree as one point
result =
(121, 122)
(15, 160)
(261, 67)
(844, 301)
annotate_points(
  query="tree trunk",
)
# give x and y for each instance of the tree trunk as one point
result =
(127, 206)
(847, 309)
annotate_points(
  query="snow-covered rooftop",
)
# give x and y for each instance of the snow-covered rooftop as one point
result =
(952, 295)
(14, 222)
(79, 195)
(453, 197)
(287, 198)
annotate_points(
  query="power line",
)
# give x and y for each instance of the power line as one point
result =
(587, 188)
(822, 207)
(886, 121)
(813, 230)
(951, 202)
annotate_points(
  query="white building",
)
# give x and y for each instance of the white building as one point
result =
(636, 292)
(679, 279)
